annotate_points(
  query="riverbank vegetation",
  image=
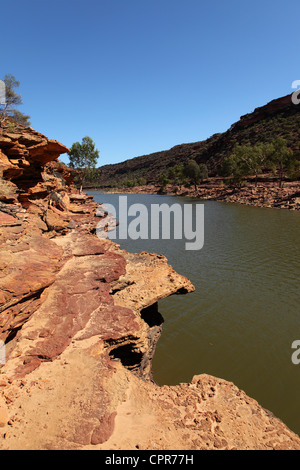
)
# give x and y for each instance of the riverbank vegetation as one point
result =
(273, 161)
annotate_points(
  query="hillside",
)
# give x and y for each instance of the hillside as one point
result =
(280, 117)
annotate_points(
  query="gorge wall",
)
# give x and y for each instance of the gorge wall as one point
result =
(280, 117)
(79, 318)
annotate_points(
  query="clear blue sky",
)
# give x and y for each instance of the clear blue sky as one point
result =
(139, 76)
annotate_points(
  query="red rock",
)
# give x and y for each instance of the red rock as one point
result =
(3, 413)
(7, 219)
(102, 432)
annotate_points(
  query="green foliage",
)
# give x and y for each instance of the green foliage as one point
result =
(92, 176)
(282, 158)
(176, 174)
(293, 171)
(194, 172)
(203, 171)
(246, 160)
(141, 181)
(21, 118)
(83, 155)
(163, 180)
(12, 99)
(130, 183)
(10, 126)
(83, 158)
(251, 160)
(231, 167)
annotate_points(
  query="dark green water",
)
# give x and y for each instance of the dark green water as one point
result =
(241, 321)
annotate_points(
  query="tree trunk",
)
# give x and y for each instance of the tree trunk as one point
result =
(280, 177)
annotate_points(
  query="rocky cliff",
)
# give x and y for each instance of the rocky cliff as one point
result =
(80, 321)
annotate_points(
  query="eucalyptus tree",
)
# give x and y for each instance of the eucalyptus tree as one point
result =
(83, 158)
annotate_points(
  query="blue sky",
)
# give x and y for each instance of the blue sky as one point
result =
(139, 76)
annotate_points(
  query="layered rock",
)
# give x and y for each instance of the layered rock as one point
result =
(80, 321)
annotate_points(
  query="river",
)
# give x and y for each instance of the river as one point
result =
(243, 317)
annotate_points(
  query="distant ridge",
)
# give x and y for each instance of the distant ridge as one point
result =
(279, 117)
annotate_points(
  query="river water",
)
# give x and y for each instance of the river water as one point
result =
(242, 319)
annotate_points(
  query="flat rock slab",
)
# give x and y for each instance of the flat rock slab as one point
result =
(6, 219)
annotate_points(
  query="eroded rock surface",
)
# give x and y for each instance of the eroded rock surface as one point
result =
(80, 321)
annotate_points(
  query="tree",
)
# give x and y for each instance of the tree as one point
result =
(247, 160)
(234, 166)
(176, 174)
(203, 172)
(192, 171)
(141, 181)
(293, 171)
(83, 158)
(9, 100)
(196, 173)
(163, 181)
(130, 183)
(92, 176)
(282, 158)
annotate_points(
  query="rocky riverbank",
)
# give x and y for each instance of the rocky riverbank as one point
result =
(264, 194)
(80, 321)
